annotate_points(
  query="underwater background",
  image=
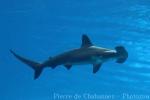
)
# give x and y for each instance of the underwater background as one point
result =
(38, 29)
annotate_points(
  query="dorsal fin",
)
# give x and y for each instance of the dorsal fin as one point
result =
(86, 42)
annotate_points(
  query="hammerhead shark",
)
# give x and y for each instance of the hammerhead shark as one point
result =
(86, 54)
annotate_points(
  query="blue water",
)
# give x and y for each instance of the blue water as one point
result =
(38, 29)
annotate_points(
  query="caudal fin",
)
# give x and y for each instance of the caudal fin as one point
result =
(122, 54)
(37, 67)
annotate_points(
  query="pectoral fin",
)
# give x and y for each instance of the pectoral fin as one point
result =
(96, 67)
(68, 66)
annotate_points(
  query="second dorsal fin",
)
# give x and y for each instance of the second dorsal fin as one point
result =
(86, 42)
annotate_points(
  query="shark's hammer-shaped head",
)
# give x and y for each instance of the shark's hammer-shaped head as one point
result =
(122, 54)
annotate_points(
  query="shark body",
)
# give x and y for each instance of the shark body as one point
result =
(86, 54)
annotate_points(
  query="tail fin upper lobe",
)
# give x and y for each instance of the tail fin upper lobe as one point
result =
(37, 67)
(122, 54)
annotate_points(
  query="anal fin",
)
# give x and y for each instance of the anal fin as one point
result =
(68, 66)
